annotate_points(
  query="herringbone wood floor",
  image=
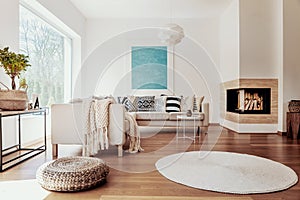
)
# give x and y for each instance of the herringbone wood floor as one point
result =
(151, 183)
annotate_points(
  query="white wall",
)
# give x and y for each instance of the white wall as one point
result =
(67, 13)
(9, 31)
(229, 43)
(259, 41)
(9, 36)
(260, 38)
(107, 68)
(291, 55)
(261, 33)
(203, 31)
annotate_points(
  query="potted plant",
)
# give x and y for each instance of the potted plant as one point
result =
(13, 64)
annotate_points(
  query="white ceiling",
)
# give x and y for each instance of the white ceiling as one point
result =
(151, 8)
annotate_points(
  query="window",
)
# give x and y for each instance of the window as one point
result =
(49, 52)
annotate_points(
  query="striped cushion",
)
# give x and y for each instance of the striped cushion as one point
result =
(173, 103)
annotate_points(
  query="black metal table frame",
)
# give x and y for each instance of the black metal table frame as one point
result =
(34, 151)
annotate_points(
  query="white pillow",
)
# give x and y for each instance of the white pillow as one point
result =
(160, 104)
(187, 103)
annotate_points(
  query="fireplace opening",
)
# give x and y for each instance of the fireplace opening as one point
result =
(249, 100)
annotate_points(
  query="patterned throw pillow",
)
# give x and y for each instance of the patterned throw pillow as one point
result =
(173, 103)
(160, 104)
(120, 99)
(129, 106)
(197, 105)
(144, 103)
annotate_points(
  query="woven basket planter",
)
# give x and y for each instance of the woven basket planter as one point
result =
(71, 174)
(13, 99)
(294, 106)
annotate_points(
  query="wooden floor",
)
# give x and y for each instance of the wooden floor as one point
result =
(135, 174)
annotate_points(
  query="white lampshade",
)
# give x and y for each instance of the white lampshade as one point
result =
(171, 34)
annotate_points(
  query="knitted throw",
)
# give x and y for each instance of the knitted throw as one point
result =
(133, 134)
(96, 126)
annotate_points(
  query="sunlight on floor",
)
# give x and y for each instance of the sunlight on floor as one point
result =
(22, 189)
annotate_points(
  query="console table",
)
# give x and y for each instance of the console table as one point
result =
(293, 125)
(14, 155)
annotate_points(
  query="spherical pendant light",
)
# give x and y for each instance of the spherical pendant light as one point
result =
(171, 34)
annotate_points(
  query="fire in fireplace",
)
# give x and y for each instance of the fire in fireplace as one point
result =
(249, 100)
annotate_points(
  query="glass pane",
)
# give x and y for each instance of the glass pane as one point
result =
(45, 47)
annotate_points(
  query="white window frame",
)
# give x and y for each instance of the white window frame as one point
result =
(73, 44)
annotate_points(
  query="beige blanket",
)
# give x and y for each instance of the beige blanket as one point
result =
(96, 126)
(133, 134)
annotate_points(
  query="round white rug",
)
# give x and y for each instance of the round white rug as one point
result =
(227, 172)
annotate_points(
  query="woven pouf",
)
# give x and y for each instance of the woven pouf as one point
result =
(69, 174)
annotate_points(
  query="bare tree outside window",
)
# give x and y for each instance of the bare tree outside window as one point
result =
(45, 47)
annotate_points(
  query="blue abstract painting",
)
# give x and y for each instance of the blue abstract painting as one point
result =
(149, 67)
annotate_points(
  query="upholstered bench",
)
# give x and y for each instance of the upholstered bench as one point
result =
(69, 174)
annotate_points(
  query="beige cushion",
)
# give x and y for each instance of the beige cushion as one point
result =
(152, 116)
(201, 114)
(173, 115)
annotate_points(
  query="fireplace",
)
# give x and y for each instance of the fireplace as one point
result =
(249, 100)
(250, 105)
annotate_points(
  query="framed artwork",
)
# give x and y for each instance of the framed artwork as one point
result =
(149, 67)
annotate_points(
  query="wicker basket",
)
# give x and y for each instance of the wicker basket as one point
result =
(71, 174)
(294, 106)
(13, 99)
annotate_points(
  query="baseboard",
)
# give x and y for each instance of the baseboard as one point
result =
(213, 124)
(250, 128)
(282, 133)
(36, 141)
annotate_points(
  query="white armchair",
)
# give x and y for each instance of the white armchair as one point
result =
(67, 125)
